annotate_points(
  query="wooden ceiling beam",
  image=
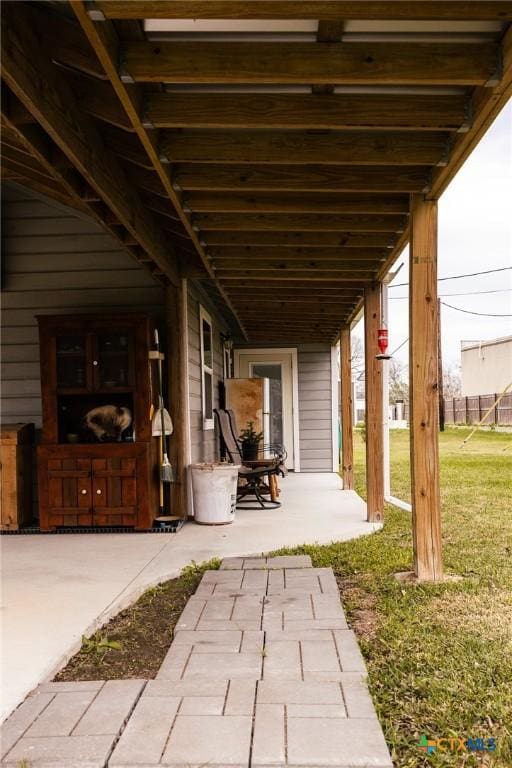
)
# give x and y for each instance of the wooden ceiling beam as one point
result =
(34, 79)
(347, 111)
(298, 254)
(310, 240)
(301, 148)
(250, 284)
(299, 311)
(228, 265)
(330, 10)
(359, 278)
(295, 202)
(263, 63)
(298, 223)
(104, 40)
(342, 296)
(275, 262)
(305, 178)
(292, 321)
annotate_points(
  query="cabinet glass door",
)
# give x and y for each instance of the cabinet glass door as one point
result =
(72, 361)
(113, 366)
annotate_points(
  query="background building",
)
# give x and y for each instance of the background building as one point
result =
(486, 366)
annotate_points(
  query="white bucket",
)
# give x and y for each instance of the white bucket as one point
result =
(214, 487)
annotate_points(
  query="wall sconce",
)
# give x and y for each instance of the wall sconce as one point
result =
(227, 341)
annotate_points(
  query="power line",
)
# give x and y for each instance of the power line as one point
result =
(468, 312)
(469, 293)
(399, 347)
(459, 277)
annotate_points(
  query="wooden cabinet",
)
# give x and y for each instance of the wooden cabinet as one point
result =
(96, 473)
(16, 446)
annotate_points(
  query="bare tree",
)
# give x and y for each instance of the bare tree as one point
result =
(357, 349)
(398, 384)
(452, 384)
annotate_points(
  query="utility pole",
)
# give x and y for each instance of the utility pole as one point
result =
(440, 368)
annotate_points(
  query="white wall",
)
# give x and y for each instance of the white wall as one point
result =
(487, 367)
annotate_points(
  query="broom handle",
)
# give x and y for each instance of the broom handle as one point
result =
(160, 397)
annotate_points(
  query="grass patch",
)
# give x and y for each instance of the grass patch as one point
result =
(439, 656)
(134, 643)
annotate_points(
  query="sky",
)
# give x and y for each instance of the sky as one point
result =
(475, 234)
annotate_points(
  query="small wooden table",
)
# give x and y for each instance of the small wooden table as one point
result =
(273, 484)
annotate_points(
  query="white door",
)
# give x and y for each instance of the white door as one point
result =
(278, 366)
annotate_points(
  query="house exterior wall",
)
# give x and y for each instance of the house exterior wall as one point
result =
(486, 367)
(315, 407)
(204, 443)
(56, 261)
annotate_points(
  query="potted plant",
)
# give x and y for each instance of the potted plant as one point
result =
(250, 440)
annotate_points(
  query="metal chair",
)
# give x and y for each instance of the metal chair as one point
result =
(253, 477)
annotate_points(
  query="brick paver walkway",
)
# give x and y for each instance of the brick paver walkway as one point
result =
(263, 672)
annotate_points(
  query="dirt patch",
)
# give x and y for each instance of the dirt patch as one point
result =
(134, 643)
(487, 613)
(359, 605)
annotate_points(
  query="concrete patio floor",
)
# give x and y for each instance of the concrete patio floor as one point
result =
(57, 587)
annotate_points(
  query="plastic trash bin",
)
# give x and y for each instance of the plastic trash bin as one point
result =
(214, 488)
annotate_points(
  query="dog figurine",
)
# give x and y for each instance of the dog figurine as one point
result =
(108, 422)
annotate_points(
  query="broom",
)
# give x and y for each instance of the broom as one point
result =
(166, 473)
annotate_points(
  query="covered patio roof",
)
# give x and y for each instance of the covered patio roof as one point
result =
(268, 149)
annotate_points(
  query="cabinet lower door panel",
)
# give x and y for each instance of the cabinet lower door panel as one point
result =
(114, 491)
(69, 492)
(97, 486)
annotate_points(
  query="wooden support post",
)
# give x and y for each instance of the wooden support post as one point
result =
(177, 396)
(423, 390)
(347, 451)
(373, 406)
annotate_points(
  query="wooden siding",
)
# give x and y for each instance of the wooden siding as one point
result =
(55, 261)
(315, 407)
(203, 443)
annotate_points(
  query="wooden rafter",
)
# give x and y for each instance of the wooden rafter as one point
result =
(104, 41)
(314, 238)
(347, 111)
(304, 223)
(307, 178)
(299, 274)
(331, 10)
(301, 148)
(295, 202)
(35, 81)
(262, 63)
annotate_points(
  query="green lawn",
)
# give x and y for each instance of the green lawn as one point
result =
(439, 656)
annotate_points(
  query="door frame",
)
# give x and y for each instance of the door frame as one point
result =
(292, 351)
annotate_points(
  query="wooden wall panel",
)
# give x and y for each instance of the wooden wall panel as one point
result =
(315, 408)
